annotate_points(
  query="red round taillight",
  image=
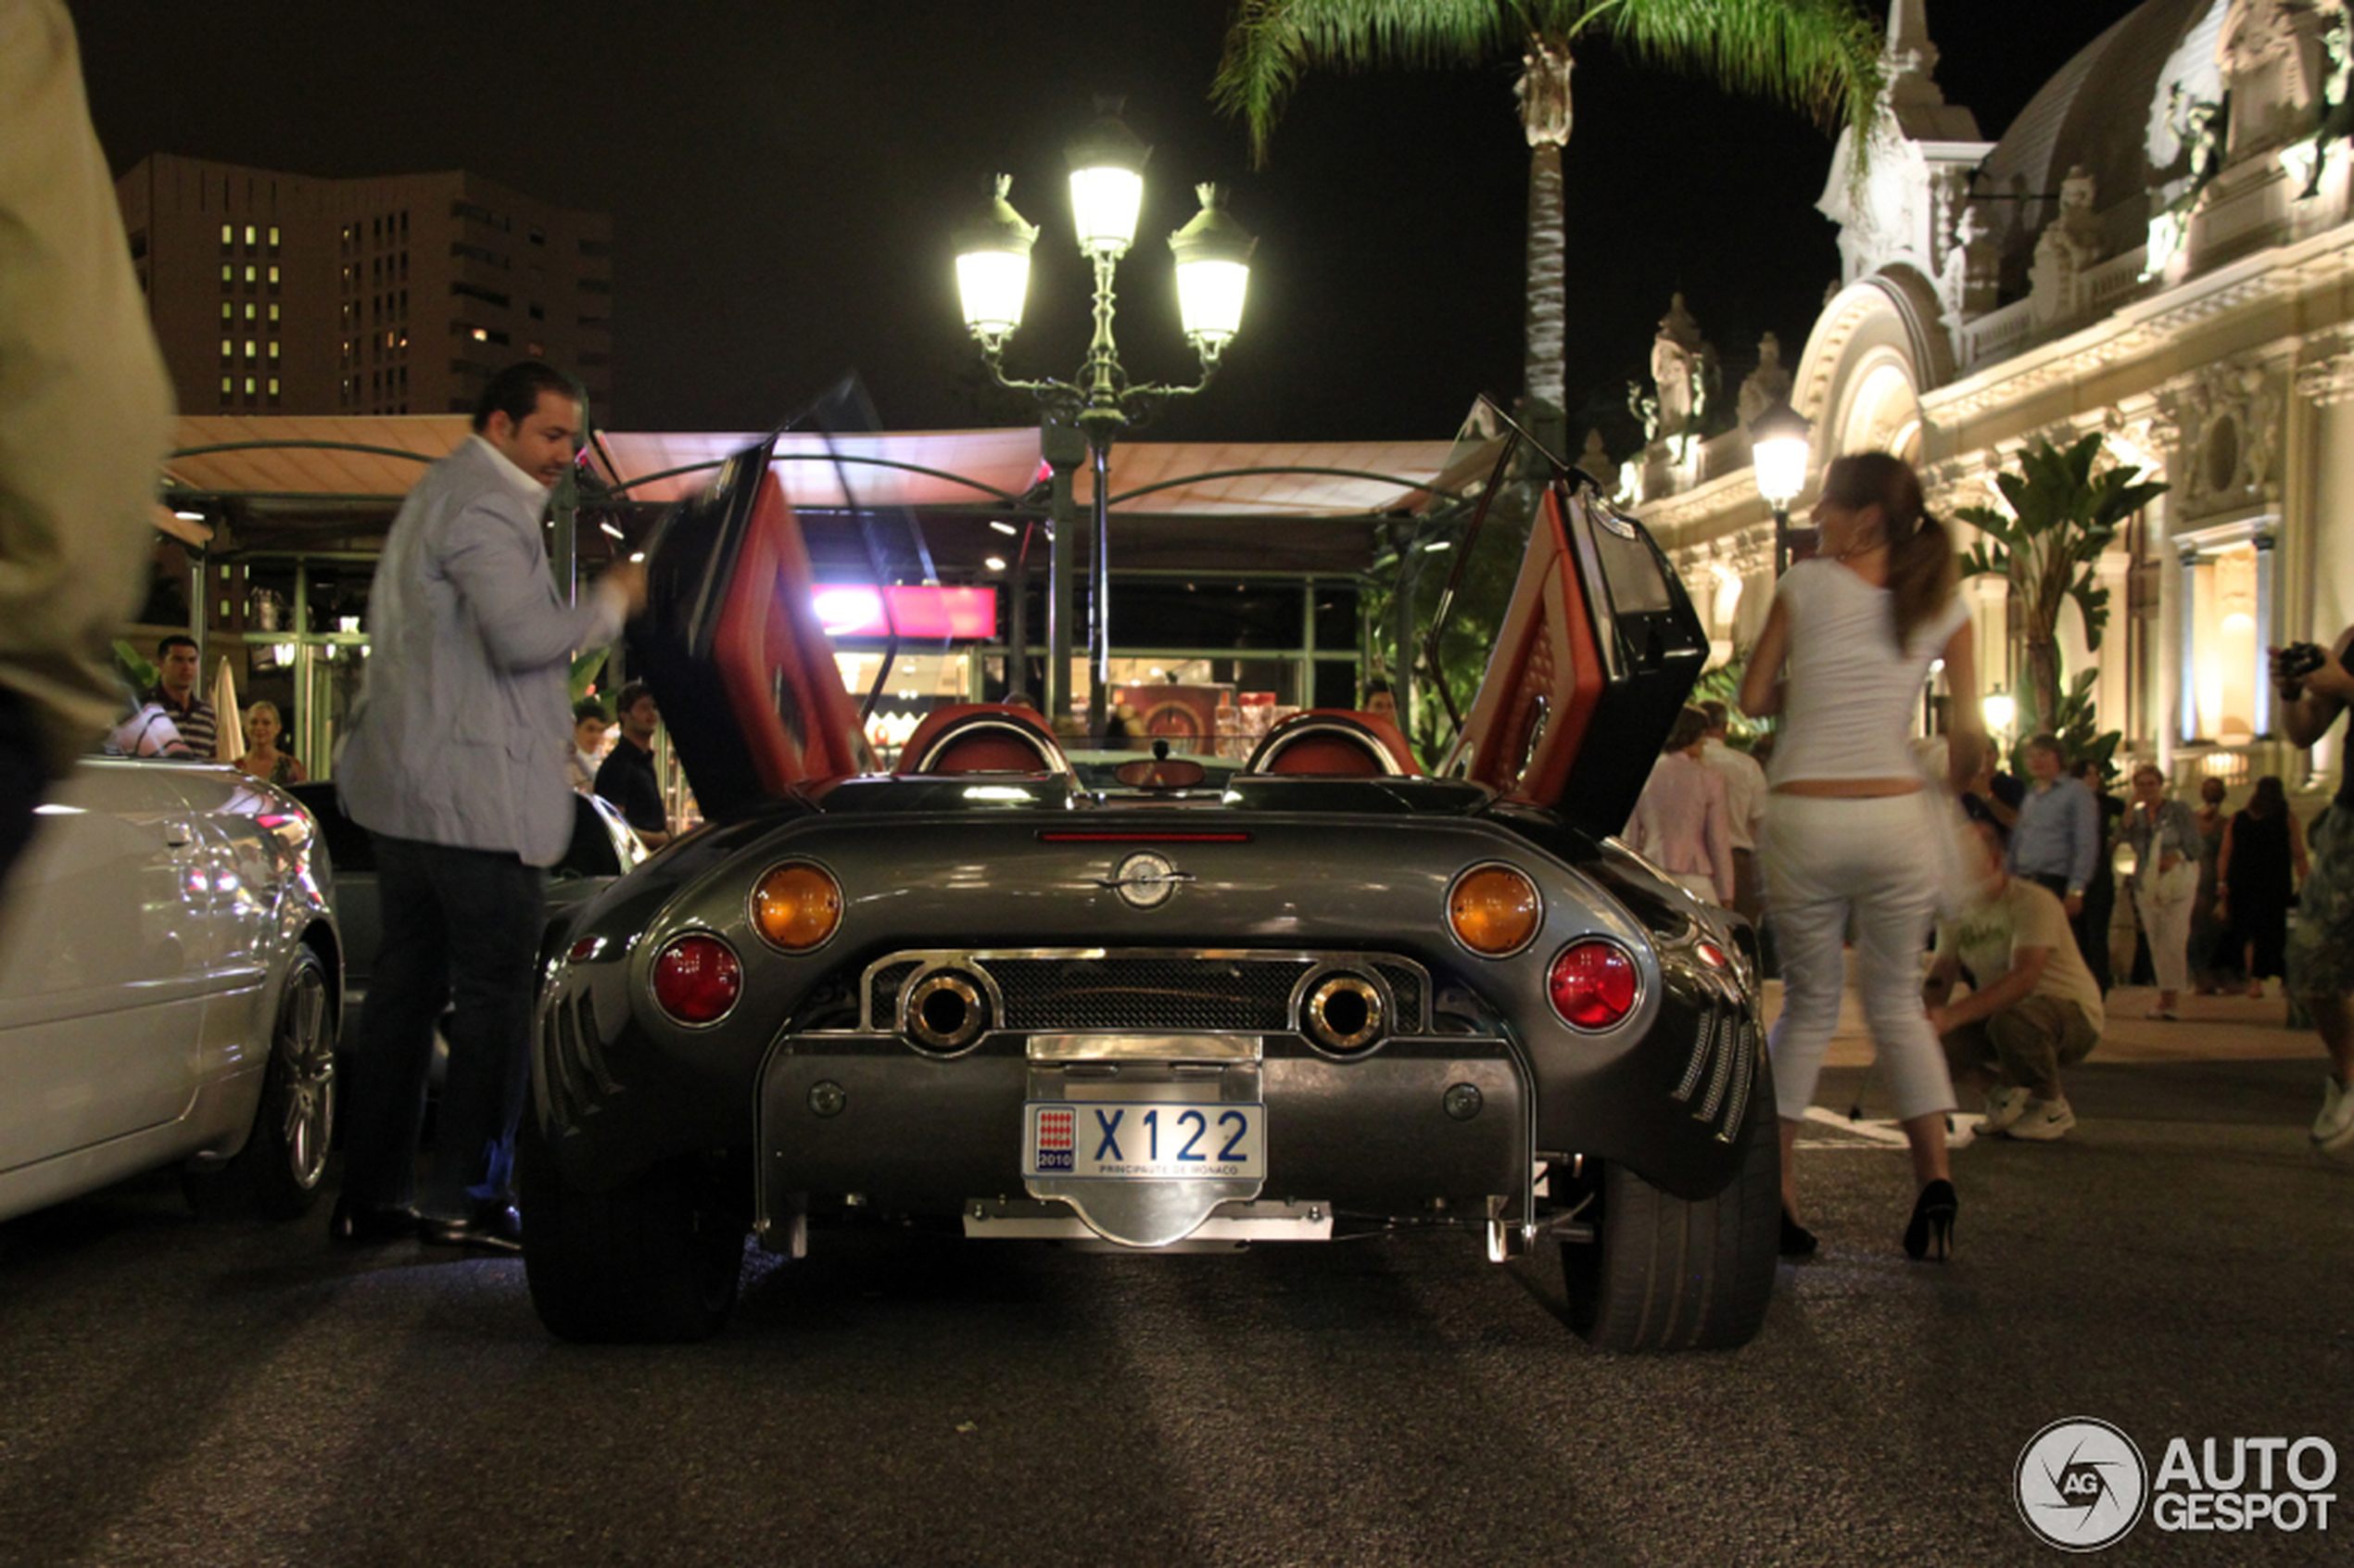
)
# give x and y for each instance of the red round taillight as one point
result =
(1593, 984)
(697, 979)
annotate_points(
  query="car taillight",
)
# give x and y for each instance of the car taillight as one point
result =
(697, 979)
(1494, 910)
(1593, 984)
(1711, 955)
(796, 907)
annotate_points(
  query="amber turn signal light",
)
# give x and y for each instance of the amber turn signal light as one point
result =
(796, 907)
(1494, 910)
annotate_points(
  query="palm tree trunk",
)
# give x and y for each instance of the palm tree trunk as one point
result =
(1545, 117)
(1548, 284)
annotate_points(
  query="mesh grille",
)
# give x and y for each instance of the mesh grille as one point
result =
(1406, 986)
(883, 1000)
(1146, 994)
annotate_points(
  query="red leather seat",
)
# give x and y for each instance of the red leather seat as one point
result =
(1335, 743)
(981, 737)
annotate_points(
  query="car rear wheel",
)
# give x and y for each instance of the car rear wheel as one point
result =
(1666, 1273)
(279, 1172)
(654, 1260)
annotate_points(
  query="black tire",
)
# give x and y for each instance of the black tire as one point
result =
(1663, 1273)
(279, 1173)
(655, 1260)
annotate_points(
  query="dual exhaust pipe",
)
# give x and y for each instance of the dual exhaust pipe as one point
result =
(946, 1011)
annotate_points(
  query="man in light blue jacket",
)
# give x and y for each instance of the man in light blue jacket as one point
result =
(456, 763)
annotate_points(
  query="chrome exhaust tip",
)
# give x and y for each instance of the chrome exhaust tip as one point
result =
(1345, 1012)
(946, 1011)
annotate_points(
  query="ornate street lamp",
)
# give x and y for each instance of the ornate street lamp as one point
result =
(992, 275)
(1782, 450)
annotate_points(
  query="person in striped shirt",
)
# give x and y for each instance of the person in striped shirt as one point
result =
(176, 672)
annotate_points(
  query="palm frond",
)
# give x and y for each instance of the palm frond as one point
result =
(1271, 44)
(1822, 57)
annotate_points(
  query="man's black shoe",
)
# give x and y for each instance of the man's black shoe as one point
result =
(493, 1228)
(355, 1225)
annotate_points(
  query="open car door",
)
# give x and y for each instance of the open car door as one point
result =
(1595, 655)
(732, 644)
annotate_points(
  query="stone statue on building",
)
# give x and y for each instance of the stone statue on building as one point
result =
(2068, 246)
(1970, 283)
(2197, 126)
(1595, 460)
(2334, 115)
(1645, 408)
(2274, 57)
(1684, 372)
(1766, 387)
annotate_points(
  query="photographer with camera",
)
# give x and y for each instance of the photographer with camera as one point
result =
(2315, 686)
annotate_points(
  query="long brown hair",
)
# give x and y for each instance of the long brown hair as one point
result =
(1922, 573)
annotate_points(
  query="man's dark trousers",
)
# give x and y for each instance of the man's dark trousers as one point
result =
(461, 928)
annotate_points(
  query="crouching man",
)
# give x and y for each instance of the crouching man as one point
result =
(2033, 1007)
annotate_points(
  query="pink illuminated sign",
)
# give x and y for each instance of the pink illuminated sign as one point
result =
(856, 610)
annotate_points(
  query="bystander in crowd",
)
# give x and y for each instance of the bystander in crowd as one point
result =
(263, 757)
(2321, 953)
(2164, 837)
(2255, 873)
(1746, 793)
(589, 723)
(455, 763)
(2210, 972)
(1852, 831)
(1680, 821)
(85, 417)
(2033, 1009)
(628, 777)
(2056, 842)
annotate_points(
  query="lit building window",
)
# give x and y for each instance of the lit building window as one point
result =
(250, 349)
(274, 386)
(228, 385)
(274, 347)
(273, 236)
(227, 311)
(249, 380)
(228, 348)
(249, 234)
(273, 277)
(228, 234)
(274, 309)
(228, 274)
(249, 273)
(248, 310)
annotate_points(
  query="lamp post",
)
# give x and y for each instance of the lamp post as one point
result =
(1781, 450)
(992, 275)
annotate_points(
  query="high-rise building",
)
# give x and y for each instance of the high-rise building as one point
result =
(280, 293)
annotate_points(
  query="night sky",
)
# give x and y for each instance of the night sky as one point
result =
(783, 178)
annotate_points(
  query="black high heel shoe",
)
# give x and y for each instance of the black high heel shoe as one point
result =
(1797, 1240)
(1932, 1222)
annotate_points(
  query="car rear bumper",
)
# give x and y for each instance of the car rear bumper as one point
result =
(1427, 1126)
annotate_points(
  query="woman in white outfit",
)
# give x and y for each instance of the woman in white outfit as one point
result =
(2166, 840)
(1853, 826)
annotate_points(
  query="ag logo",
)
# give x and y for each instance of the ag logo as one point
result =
(1146, 880)
(2080, 1483)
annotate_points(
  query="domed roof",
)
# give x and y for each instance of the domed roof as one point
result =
(2097, 111)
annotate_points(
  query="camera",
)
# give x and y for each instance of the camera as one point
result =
(2297, 661)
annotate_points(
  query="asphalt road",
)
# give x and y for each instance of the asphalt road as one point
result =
(176, 1392)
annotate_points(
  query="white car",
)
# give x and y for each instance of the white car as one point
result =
(170, 990)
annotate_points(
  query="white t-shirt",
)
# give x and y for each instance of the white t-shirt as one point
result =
(1851, 693)
(1744, 791)
(1987, 939)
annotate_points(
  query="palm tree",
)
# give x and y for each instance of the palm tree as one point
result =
(1820, 55)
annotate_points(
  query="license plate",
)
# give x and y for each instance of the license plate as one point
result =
(1144, 1140)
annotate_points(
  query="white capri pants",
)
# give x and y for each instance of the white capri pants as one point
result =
(2166, 922)
(1824, 856)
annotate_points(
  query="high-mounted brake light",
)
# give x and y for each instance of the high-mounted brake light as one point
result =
(697, 979)
(1593, 984)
